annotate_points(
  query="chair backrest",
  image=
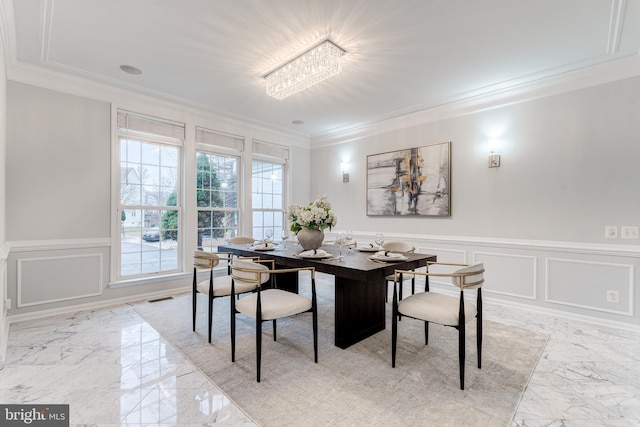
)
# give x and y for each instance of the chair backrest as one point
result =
(469, 277)
(203, 259)
(246, 271)
(398, 246)
(241, 240)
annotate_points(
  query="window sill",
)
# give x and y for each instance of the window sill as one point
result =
(148, 280)
(218, 271)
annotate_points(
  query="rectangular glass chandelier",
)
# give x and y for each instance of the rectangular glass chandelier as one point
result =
(310, 68)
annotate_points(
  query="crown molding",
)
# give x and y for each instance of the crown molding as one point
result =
(129, 96)
(515, 92)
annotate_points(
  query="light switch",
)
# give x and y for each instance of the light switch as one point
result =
(629, 232)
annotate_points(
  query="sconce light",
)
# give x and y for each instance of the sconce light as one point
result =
(494, 159)
(343, 167)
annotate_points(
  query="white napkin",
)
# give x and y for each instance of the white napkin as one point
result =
(387, 254)
(264, 245)
(367, 246)
(314, 252)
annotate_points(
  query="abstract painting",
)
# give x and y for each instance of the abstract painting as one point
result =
(415, 181)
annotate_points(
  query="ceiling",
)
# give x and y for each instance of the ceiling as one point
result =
(402, 56)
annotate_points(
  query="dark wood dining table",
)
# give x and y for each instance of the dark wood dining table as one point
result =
(360, 284)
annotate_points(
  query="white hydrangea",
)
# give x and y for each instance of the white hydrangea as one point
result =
(316, 215)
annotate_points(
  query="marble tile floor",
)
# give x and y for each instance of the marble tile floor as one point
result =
(112, 368)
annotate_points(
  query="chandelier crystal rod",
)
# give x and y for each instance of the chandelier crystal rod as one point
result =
(307, 69)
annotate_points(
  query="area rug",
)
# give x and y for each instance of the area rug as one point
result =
(356, 386)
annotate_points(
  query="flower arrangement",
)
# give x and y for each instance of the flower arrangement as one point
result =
(316, 215)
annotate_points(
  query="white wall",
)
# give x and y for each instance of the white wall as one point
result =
(58, 167)
(60, 142)
(4, 252)
(569, 168)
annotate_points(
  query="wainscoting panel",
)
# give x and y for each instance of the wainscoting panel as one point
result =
(584, 284)
(509, 274)
(58, 278)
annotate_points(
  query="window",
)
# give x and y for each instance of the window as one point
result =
(268, 184)
(217, 187)
(149, 199)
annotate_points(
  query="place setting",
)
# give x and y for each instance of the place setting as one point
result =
(387, 256)
(314, 254)
(370, 247)
(267, 244)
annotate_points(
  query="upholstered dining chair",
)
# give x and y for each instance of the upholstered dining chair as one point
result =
(241, 240)
(213, 287)
(396, 246)
(447, 310)
(270, 303)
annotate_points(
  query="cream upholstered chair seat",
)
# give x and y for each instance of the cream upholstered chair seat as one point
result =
(443, 309)
(276, 303)
(435, 307)
(270, 303)
(222, 287)
(397, 246)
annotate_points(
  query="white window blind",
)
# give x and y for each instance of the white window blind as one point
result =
(150, 127)
(269, 151)
(206, 137)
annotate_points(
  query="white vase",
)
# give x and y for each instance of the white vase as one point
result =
(310, 239)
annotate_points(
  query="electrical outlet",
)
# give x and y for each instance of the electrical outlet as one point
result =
(611, 232)
(629, 232)
(613, 296)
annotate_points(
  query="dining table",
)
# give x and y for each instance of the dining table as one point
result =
(360, 281)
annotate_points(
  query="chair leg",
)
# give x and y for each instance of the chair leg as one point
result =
(461, 351)
(413, 285)
(233, 328)
(195, 299)
(479, 327)
(274, 329)
(426, 333)
(394, 327)
(258, 334)
(258, 347)
(314, 312)
(461, 338)
(315, 335)
(210, 316)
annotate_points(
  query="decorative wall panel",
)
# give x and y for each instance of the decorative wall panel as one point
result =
(584, 284)
(58, 278)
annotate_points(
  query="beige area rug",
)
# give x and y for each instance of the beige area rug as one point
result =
(356, 386)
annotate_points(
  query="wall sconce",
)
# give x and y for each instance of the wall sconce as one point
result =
(494, 159)
(343, 167)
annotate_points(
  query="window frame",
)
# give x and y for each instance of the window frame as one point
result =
(278, 155)
(144, 136)
(216, 151)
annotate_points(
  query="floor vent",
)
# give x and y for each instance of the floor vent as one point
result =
(160, 299)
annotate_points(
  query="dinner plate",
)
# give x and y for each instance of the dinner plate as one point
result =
(365, 249)
(316, 256)
(388, 258)
(320, 254)
(263, 248)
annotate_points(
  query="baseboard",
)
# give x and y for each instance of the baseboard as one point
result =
(4, 339)
(597, 321)
(95, 305)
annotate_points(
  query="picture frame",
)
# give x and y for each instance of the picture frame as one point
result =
(410, 182)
